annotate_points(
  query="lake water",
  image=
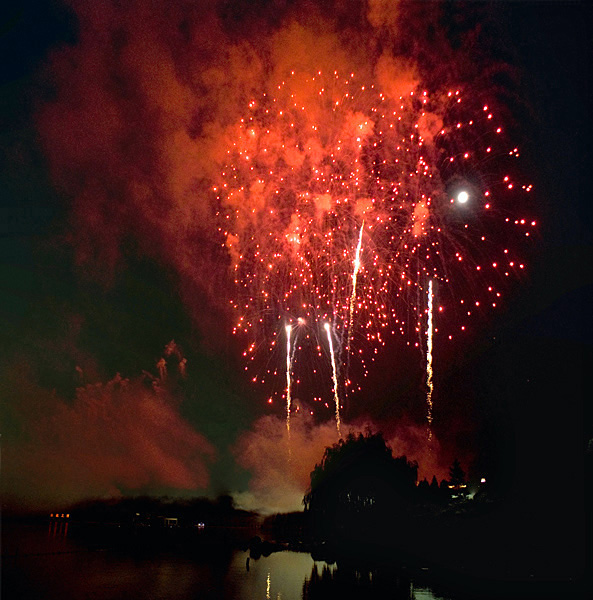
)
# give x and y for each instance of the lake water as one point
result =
(47, 563)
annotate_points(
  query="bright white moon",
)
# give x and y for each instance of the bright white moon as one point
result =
(462, 197)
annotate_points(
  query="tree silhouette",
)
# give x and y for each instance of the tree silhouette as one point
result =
(456, 474)
(358, 485)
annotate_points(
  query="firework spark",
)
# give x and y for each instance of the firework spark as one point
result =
(429, 382)
(353, 295)
(316, 162)
(288, 377)
(334, 377)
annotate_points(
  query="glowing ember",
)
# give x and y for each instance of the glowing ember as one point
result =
(322, 160)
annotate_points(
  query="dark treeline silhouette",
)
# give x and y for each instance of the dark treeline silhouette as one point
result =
(366, 512)
(287, 528)
(147, 511)
(149, 525)
(361, 495)
(357, 486)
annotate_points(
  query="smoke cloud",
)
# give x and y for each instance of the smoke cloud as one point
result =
(281, 464)
(144, 107)
(411, 440)
(136, 126)
(115, 437)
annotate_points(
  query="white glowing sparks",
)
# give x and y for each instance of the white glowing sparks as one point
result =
(334, 376)
(354, 279)
(429, 382)
(288, 376)
(462, 197)
(306, 166)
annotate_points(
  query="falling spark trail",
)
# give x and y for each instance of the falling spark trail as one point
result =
(353, 295)
(335, 377)
(324, 155)
(429, 360)
(288, 377)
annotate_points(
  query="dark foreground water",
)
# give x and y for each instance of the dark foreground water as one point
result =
(60, 562)
(50, 563)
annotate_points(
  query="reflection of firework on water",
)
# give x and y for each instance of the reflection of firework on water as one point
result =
(325, 174)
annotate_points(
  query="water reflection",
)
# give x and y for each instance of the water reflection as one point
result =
(58, 529)
(348, 581)
(50, 563)
(279, 576)
(296, 576)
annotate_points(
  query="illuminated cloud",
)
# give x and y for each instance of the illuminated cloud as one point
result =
(280, 470)
(115, 437)
(280, 477)
(143, 110)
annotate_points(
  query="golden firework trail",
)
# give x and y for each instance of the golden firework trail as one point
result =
(335, 377)
(354, 278)
(429, 382)
(288, 377)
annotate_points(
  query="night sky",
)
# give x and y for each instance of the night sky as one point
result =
(111, 123)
